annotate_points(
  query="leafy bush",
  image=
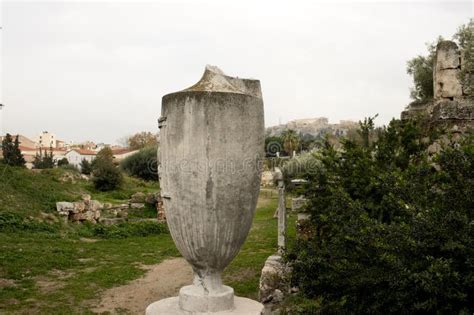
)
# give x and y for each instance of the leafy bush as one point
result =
(142, 164)
(86, 167)
(391, 228)
(63, 162)
(106, 177)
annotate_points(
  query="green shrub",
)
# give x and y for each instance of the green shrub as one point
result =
(142, 164)
(86, 167)
(391, 228)
(63, 162)
(106, 177)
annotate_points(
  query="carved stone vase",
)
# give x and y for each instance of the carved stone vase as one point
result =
(211, 148)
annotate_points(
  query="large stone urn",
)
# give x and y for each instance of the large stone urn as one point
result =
(212, 142)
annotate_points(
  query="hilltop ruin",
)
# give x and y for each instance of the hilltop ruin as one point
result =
(453, 102)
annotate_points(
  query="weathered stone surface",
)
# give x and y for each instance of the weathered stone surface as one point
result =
(447, 55)
(446, 83)
(267, 179)
(64, 208)
(453, 110)
(212, 139)
(79, 206)
(298, 204)
(274, 282)
(137, 205)
(94, 205)
(170, 306)
(138, 197)
(85, 210)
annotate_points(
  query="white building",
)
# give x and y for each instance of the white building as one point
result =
(75, 156)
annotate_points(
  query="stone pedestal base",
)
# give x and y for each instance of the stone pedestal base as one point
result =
(170, 306)
(193, 298)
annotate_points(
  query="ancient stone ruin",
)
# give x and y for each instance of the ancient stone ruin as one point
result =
(93, 211)
(212, 141)
(453, 102)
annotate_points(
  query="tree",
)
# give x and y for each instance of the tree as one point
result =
(11, 151)
(142, 139)
(104, 156)
(291, 141)
(63, 162)
(106, 176)
(43, 160)
(465, 38)
(273, 145)
(421, 69)
(86, 167)
(142, 164)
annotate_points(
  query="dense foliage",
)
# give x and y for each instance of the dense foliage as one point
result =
(421, 69)
(142, 140)
(43, 159)
(142, 164)
(86, 167)
(106, 176)
(391, 228)
(465, 38)
(63, 162)
(11, 151)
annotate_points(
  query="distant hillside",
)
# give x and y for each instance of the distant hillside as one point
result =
(314, 126)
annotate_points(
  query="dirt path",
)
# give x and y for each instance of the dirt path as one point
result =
(161, 281)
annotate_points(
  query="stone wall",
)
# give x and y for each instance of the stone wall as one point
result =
(107, 213)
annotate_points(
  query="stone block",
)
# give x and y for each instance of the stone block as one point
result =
(79, 206)
(138, 197)
(137, 205)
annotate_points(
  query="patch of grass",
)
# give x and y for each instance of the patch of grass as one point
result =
(29, 192)
(129, 186)
(93, 266)
(149, 211)
(111, 256)
(124, 230)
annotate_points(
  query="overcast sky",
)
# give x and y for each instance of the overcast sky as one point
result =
(98, 70)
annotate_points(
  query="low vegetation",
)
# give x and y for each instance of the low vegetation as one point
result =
(57, 268)
(391, 227)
